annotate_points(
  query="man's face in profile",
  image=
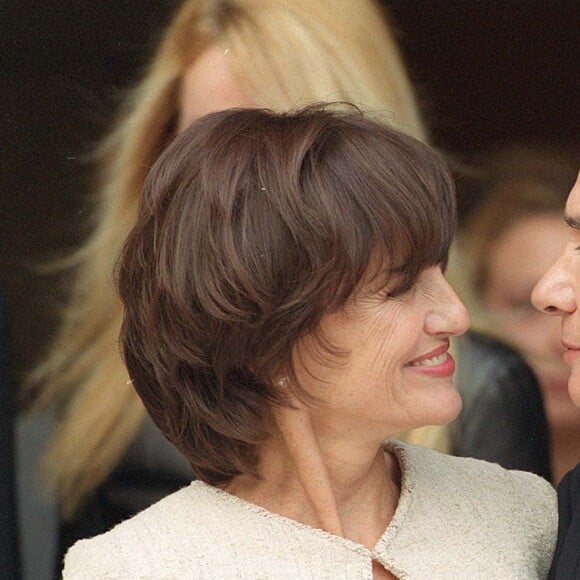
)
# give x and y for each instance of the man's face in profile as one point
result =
(558, 292)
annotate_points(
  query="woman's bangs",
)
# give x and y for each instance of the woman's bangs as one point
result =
(418, 232)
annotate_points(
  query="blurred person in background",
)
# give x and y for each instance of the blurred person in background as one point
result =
(510, 239)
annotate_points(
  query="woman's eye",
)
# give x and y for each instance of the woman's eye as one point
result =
(398, 291)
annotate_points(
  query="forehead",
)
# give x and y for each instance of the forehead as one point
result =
(541, 236)
(573, 203)
(208, 85)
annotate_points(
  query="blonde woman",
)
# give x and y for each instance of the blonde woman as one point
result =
(215, 54)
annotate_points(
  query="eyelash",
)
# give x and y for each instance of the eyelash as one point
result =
(398, 292)
(402, 290)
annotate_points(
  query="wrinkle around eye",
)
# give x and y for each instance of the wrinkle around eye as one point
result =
(397, 293)
(407, 286)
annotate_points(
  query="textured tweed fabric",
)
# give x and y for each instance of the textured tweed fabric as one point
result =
(457, 518)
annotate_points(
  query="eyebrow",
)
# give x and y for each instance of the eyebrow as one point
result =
(573, 222)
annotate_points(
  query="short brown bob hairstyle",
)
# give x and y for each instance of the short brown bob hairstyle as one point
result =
(252, 226)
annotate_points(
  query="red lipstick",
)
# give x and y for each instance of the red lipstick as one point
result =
(443, 366)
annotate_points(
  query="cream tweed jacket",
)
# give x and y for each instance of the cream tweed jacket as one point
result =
(457, 518)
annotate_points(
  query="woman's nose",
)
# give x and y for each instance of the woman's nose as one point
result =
(449, 316)
(553, 294)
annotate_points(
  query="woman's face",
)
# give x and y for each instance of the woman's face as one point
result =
(517, 261)
(377, 385)
(396, 373)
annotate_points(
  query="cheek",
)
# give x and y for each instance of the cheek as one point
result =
(386, 339)
(526, 332)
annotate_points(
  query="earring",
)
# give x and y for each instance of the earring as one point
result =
(282, 382)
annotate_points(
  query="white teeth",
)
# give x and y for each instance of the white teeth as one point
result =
(427, 362)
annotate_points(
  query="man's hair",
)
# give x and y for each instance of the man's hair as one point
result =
(252, 226)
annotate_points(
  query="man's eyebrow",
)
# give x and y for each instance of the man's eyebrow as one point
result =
(573, 222)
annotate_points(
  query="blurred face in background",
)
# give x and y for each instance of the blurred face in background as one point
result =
(209, 86)
(517, 260)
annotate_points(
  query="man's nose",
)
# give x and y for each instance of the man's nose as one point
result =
(553, 294)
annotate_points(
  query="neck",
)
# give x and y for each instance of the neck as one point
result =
(565, 450)
(322, 479)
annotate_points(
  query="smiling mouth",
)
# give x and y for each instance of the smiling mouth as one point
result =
(430, 362)
(437, 363)
(434, 357)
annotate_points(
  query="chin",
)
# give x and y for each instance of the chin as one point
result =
(574, 391)
(574, 387)
(449, 416)
(444, 409)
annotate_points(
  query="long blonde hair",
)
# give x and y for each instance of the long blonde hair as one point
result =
(284, 54)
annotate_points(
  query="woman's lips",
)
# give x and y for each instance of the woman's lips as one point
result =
(571, 352)
(436, 363)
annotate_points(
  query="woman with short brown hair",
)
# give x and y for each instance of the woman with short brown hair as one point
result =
(214, 54)
(285, 313)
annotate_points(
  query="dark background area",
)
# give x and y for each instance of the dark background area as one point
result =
(488, 73)
(491, 72)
